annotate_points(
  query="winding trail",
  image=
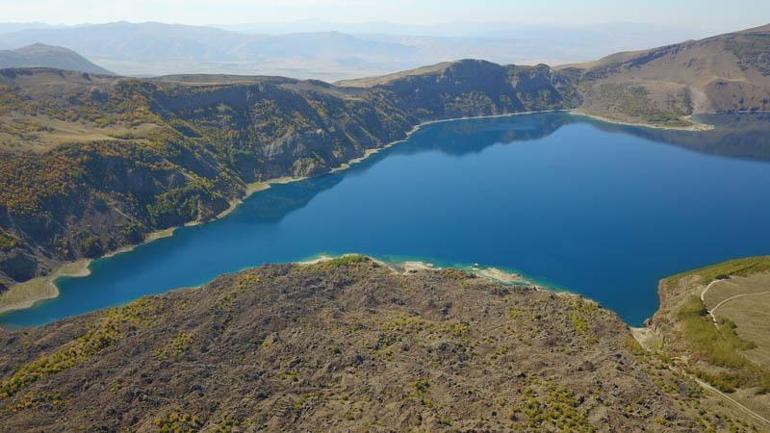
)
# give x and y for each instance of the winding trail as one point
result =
(741, 295)
(643, 336)
(703, 300)
(706, 289)
(707, 386)
(711, 311)
(738, 405)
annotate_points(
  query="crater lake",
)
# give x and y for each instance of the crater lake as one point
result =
(572, 203)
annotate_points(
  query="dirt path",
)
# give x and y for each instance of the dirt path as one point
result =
(645, 335)
(711, 311)
(732, 401)
(706, 289)
(703, 299)
(731, 298)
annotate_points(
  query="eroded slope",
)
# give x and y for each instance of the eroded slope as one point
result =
(345, 345)
(726, 73)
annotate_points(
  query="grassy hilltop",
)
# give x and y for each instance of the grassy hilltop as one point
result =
(713, 322)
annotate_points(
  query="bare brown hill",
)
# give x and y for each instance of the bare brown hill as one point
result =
(346, 346)
(725, 73)
(48, 56)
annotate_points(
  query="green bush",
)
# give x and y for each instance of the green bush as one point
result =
(7, 242)
(110, 329)
(346, 260)
(721, 347)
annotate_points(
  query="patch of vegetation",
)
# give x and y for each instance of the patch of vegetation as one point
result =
(176, 206)
(635, 101)
(89, 245)
(582, 315)
(404, 324)
(724, 270)
(106, 332)
(721, 347)
(633, 346)
(718, 344)
(231, 424)
(551, 408)
(178, 422)
(459, 329)
(7, 242)
(27, 181)
(35, 400)
(346, 260)
(456, 274)
(176, 346)
(421, 387)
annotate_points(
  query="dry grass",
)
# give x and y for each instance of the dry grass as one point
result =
(730, 350)
(385, 79)
(737, 267)
(746, 302)
(42, 133)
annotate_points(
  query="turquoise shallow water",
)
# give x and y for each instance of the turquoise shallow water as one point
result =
(597, 209)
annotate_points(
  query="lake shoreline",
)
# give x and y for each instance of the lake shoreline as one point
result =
(38, 289)
(25, 295)
(694, 127)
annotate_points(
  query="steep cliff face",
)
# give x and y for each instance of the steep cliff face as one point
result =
(91, 163)
(473, 88)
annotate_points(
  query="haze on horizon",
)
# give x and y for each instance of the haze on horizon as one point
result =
(432, 15)
(294, 37)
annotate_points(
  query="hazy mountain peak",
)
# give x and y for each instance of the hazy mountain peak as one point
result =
(48, 56)
(761, 29)
(333, 51)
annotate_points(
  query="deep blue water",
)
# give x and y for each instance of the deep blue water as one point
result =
(600, 210)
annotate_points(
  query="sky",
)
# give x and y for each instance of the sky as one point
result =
(717, 15)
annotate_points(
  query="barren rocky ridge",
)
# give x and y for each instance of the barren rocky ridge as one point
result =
(346, 345)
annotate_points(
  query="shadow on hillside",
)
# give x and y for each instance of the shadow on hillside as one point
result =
(745, 136)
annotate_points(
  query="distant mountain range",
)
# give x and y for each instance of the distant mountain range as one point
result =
(40, 55)
(162, 49)
(316, 51)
